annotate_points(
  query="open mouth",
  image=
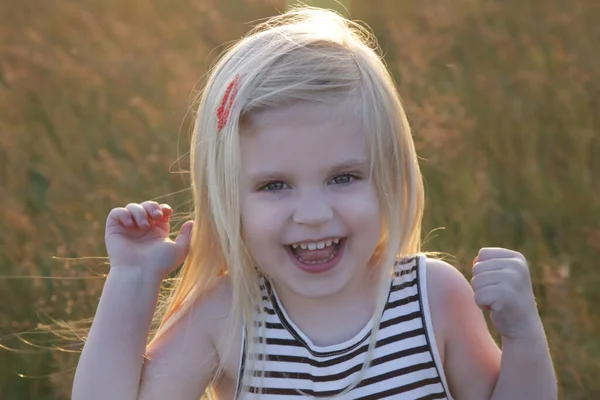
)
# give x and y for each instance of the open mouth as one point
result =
(318, 252)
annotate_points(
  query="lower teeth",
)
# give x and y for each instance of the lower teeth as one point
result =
(337, 246)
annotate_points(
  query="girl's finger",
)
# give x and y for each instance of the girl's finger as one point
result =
(164, 213)
(185, 234)
(139, 214)
(126, 220)
(166, 208)
(487, 298)
(489, 265)
(152, 209)
(489, 278)
(121, 216)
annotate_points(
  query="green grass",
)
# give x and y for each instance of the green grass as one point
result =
(94, 97)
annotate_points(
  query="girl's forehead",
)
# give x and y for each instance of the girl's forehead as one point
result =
(302, 136)
(301, 111)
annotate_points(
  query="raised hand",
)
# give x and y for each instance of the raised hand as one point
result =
(137, 235)
(502, 284)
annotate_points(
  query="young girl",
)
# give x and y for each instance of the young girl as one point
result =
(302, 272)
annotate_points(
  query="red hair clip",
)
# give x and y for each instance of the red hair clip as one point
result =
(225, 107)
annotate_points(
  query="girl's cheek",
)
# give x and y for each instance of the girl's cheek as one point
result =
(263, 215)
(363, 201)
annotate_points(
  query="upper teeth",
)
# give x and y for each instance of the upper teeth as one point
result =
(317, 245)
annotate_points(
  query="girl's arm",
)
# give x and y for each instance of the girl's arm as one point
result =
(471, 357)
(527, 371)
(111, 362)
(181, 362)
(475, 367)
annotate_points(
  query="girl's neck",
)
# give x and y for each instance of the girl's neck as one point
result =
(334, 319)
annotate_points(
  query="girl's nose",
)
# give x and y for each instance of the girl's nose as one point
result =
(313, 210)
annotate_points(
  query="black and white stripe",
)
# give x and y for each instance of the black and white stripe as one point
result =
(405, 364)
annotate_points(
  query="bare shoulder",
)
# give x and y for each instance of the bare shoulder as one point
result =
(208, 313)
(446, 289)
(214, 306)
(183, 361)
(471, 357)
(444, 280)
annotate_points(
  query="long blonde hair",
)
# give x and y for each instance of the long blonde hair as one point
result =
(306, 54)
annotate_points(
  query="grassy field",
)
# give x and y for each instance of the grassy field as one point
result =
(94, 113)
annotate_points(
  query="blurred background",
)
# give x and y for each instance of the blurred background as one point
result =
(95, 104)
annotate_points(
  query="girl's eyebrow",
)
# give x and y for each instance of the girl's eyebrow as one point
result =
(352, 163)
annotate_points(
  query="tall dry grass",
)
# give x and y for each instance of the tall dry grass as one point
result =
(94, 96)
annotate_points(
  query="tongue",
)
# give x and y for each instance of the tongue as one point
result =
(315, 255)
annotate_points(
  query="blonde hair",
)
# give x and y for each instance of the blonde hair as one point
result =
(306, 54)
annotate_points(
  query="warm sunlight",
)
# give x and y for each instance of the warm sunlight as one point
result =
(98, 100)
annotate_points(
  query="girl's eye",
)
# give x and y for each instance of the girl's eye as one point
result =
(273, 186)
(344, 179)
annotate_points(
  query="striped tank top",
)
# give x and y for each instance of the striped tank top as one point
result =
(405, 364)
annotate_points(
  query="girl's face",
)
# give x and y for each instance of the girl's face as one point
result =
(310, 213)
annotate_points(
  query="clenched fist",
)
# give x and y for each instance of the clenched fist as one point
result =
(502, 284)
